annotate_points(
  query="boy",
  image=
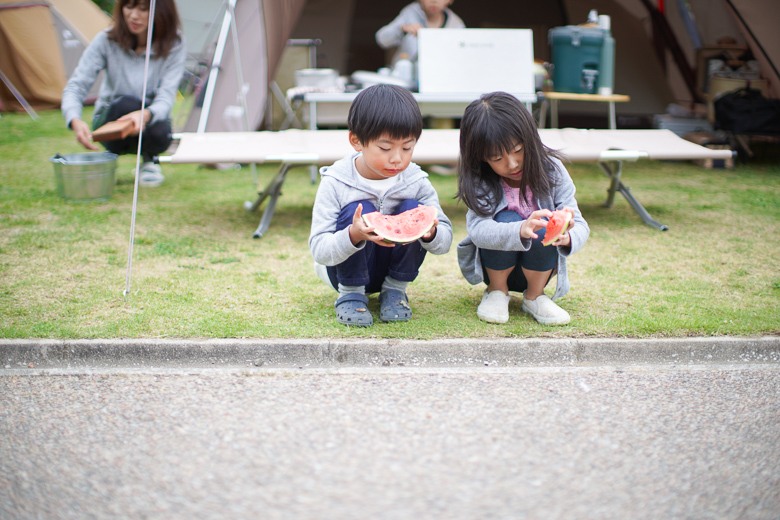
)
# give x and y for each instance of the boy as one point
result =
(384, 125)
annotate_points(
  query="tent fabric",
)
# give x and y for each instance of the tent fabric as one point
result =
(26, 57)
(263, 29)
(40, 44)
(85, 19)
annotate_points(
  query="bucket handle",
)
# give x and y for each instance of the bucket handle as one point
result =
(58, 158)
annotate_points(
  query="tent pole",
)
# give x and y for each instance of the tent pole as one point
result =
(240, 78)
(239, 66)
(212, 81)
(19, 97)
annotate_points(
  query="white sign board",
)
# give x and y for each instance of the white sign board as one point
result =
(475, 60)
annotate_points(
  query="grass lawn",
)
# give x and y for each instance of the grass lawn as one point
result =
(197, 271)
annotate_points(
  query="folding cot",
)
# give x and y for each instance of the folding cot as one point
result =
(288, 148)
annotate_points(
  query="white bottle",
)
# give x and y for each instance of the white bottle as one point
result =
(404, 70)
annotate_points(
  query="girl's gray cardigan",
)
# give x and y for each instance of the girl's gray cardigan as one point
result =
(486, 233)
(339, 186)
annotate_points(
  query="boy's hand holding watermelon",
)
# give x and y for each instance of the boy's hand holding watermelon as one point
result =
(360, 230)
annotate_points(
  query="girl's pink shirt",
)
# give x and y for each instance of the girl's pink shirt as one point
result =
(517, 204)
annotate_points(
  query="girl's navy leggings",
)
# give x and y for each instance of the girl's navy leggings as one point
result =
(538, 258)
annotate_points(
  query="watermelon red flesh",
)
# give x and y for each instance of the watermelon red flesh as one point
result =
(556, 226)
(402, 228)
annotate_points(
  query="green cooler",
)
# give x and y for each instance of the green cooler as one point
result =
(576, 58)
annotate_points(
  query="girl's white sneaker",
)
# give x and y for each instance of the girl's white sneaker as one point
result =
(545, 311)
(494, 307)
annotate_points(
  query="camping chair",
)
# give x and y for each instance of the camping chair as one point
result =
(609, 148)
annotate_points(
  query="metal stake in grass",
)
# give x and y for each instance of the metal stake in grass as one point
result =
(152, 6)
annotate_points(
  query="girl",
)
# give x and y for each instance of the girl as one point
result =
(510, 183)
(120, 52)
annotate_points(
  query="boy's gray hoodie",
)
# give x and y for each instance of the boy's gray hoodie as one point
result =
(339, 186)
(124, 77)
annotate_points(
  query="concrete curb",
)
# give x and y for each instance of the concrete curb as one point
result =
(340, 353)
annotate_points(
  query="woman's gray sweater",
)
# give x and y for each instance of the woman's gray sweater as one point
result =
(124, 77)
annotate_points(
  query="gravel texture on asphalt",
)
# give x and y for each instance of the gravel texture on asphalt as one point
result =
(606, 443)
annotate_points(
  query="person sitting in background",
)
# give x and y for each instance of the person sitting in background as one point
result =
(120, 52)
(402, 31)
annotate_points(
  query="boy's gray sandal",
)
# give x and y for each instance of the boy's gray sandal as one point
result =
(352, 309)
(394, 306)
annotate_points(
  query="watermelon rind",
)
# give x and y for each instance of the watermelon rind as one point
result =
(405, 239)
(550, 238)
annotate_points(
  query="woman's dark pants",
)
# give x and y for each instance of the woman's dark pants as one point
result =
(157, 136)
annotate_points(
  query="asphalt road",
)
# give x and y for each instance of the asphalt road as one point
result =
(642, 442)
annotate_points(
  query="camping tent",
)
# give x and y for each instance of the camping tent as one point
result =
(40, 44)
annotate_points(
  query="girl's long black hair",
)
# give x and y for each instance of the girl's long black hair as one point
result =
(493, 125)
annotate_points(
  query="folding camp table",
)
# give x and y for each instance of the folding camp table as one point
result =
(550, 100)
(609, 148)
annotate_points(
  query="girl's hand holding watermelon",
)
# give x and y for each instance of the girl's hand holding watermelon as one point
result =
(563, 239)
(534, 222)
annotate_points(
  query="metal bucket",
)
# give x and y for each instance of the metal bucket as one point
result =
(85, 177)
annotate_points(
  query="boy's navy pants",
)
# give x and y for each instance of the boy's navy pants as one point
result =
(371, 265)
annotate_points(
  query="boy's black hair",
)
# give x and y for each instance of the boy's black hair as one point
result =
(493, 125)
(384, 109)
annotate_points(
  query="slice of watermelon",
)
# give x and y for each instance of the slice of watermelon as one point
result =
(405, 227)
(556, 226)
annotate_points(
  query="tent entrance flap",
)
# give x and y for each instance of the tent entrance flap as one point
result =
(228, 26)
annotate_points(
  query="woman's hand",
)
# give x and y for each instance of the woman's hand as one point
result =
(83, 134)
(360, 231)
(139, 118)
(534, 223)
